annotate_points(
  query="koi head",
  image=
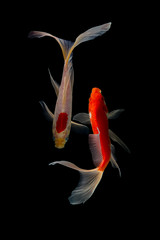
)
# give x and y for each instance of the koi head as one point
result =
(60, 139)
(96, 95)
(60, 142)
(97, 100)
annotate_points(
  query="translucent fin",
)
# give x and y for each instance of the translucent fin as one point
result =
(95, 148)
(79, 128)
(115, 113)
(68, 46)
(54, 83)
(113, 159)
(38, 34)
(67, 164)
(64, 44)
(82, 118)
(89, 35)
(89, 179)
(47, 113)
(71, 72)
(115, 138)
(88, 182)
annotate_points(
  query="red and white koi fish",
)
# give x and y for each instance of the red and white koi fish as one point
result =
(100, 145)
(63, 109)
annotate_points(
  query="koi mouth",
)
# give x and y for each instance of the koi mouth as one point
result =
(60, 142)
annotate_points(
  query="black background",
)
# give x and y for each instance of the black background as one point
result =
(38, 193)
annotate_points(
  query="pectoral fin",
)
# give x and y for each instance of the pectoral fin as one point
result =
(76, 127)
(114, 114)
(115, 138)
(54, 83)
(47, 113)
(79, 128)
(113, 159)
(82, 118)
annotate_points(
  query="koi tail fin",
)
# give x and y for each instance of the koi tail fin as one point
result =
(89, 179)
(88, 35)
(64, 44)
(68, 46)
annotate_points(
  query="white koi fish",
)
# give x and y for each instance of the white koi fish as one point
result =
(63, 109)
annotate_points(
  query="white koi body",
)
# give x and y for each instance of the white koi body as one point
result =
(63, 109)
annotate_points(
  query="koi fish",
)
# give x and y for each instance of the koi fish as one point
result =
(100, 145)
(63, 110)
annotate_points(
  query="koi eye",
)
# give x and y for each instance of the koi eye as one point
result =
(67, 139)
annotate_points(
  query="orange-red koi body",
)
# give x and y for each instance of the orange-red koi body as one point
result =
(99, 121)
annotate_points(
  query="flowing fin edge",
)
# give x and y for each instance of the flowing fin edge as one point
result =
(68, 46)
(85, 119)
(113, 160)
(115, 138)
(82, 118)
(64, 44)
(47, 113)
(54, 83)
(89, 180)
(115, 113)
(75, 127)
(79, 128)
(88, 35)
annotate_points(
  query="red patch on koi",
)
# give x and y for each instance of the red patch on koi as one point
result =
(61, 122)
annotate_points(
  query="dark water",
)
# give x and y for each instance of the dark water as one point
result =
(40, 192)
